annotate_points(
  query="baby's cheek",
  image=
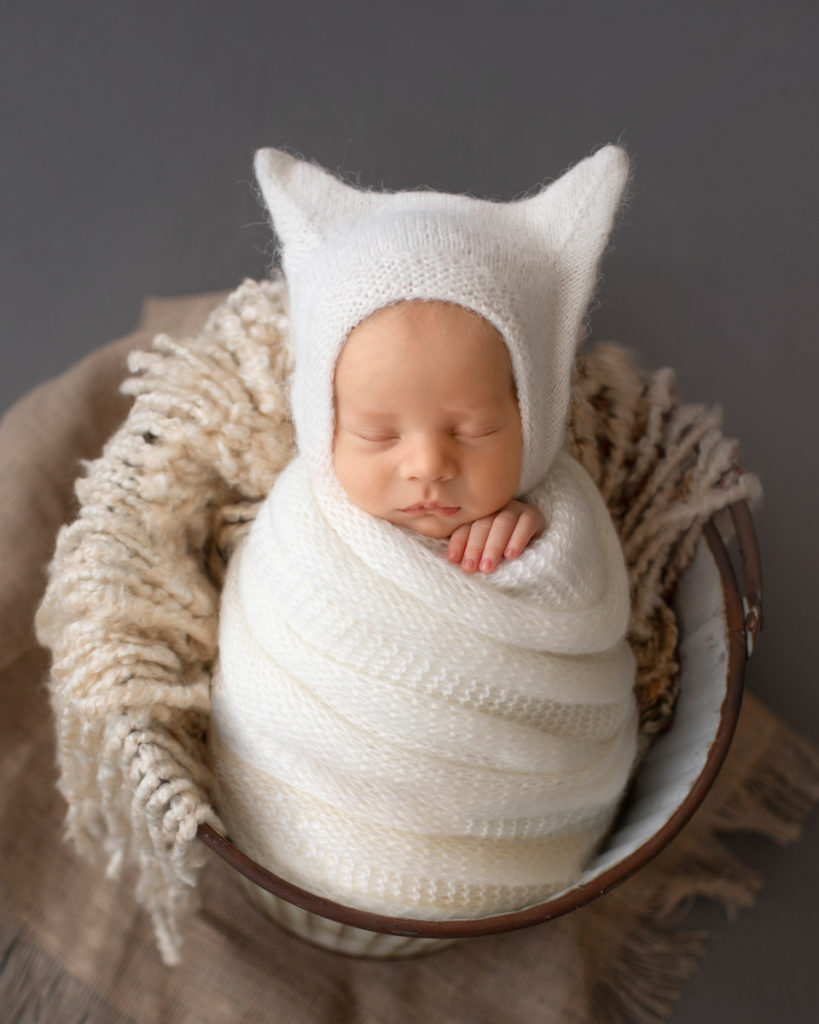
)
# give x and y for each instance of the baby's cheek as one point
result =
(346, 468)
(362, 478)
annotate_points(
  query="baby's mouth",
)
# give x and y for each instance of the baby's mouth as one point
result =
(431, 508)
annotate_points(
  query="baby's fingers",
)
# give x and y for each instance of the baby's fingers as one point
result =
(530, 524)
(457, 543)
(477, 534)
(503, 529)
(481, 545)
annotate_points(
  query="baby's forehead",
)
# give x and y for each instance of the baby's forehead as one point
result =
(425, 308)
(437, 347)
(422, 330)
(429, 313)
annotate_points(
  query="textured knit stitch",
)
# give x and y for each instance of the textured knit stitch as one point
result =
(175, 489)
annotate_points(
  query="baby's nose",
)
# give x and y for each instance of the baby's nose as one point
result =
(428, 459)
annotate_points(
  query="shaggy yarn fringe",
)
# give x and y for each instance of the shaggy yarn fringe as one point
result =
(130, 612)
(663, 469)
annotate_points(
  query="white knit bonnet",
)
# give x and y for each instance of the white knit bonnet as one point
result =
(529, 267)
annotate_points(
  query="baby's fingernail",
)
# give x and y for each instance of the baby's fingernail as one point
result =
(452, 555)
(486, 565)
(510, 553)
(468, 564)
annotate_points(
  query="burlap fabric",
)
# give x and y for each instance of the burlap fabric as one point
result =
(74, 946)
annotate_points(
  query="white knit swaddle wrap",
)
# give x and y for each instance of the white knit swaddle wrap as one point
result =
(402, 738)
(386, 730)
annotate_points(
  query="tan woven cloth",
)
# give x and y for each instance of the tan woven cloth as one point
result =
(75, 946)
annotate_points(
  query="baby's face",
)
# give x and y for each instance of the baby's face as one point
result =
(428, 432)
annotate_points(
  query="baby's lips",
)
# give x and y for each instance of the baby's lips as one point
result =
(431, 508)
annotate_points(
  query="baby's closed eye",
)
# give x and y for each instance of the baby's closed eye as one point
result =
(376, 436)
(478, 435)
(475, 431)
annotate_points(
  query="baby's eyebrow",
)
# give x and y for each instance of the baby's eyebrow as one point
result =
(490, 408)
(469, 410)
(363, 413)
(368, 410)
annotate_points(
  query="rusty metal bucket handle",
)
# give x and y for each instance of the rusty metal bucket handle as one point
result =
(751, 585)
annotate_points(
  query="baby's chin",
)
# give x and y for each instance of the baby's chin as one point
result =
(438, 527)
(435, 528)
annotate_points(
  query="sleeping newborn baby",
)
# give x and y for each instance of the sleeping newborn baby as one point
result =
(427, 430)
(424, 699)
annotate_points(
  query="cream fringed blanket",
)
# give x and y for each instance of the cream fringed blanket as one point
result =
(131, 609)
(400, 737)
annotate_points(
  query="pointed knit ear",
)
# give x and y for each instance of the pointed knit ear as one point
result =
(583, 201)
(574, 217)
(303, 199)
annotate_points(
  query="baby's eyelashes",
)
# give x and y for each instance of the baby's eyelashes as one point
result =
(474, 435)
(458, 435)
(375, 438)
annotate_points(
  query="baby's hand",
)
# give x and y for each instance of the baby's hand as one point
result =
(482, 544)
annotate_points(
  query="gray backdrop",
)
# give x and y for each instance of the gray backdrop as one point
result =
(127, 137)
